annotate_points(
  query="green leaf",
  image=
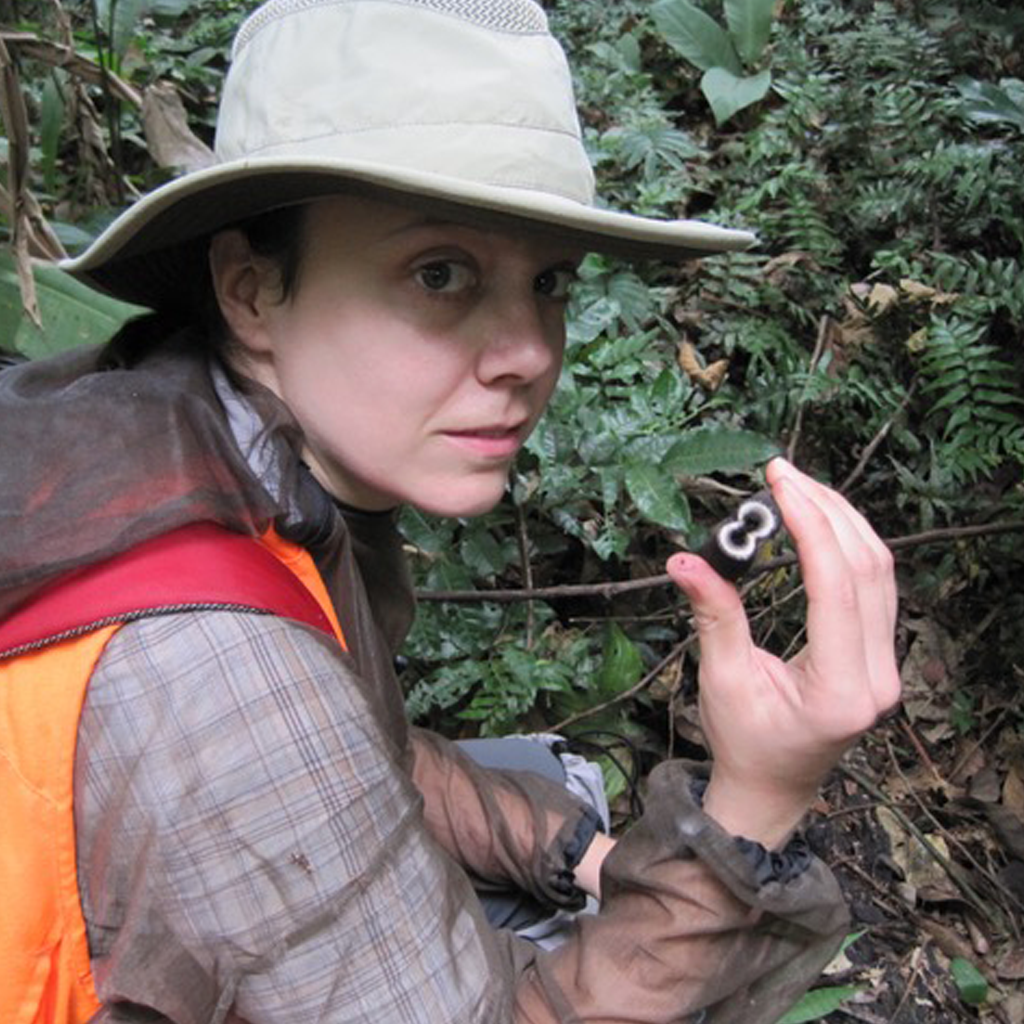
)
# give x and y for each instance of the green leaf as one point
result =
(709, 451)
(818, 1004)
(622, 665)
(481, 552)
(72, 314)
(51, 119)
(170, 8)
(429, 534)
(750, 25)
(986, 103)
(657, 496)
(122, 20)
(970, 982)
(728, 93)
(696, 36)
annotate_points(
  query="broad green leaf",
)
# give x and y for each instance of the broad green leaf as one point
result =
(170, 8)
(818, 1004)
(72, 313)
(987, 103)
(482, 553)
(970, 982)
(657, 495)
(122, 20)
(628, 47)
(51, 119)
(728, 93)
(750, 26)
(696, 36)
(622, 665)
(709, 451)
(429, 534)
(615, 780)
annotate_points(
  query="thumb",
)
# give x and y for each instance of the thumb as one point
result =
(718, 612)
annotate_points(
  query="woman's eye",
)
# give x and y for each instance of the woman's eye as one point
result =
(556, 283)
(445, 276)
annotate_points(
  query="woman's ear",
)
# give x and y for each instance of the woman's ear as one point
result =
(243, 286)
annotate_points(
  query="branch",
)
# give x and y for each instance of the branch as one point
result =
(610, 590)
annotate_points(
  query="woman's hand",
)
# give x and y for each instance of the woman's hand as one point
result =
(776, 728)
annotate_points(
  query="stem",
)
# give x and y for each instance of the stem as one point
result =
(610, 590)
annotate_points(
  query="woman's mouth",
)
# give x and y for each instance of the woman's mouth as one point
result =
(488, 442)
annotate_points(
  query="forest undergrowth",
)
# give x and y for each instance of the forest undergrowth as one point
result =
(875, 334)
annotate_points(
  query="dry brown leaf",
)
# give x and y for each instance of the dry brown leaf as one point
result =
(927, 672)
(64, 56)
(949, 941)
(1008, 827)
(170, 140)
(1013, 789)
(686, 719)
(855, 328)
(918, 340)
(1011, 1009)
(917, 292)
(15, 120)
(882, 298)
(778, 267)
(920, 869)
(1011, 966)
(707, 377)
(984, 786)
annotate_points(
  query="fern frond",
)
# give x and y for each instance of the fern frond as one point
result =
(995, 284)
(976, 399)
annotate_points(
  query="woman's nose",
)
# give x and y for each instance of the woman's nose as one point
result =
(523, 342)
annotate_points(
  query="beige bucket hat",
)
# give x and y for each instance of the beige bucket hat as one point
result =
(464, 108)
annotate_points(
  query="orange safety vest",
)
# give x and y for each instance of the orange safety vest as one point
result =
(48, 650)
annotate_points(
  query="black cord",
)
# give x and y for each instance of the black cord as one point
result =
(579, 740)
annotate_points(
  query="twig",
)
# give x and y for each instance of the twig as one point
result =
(819, 348)
(982, 740)
(908, 731)
(869, 451)
(610, 590)
(916, 957)
(677, 652)
(111, 105)
(945, 863)
(523, 540)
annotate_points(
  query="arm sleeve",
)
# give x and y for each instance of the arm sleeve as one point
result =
(251, 846)
(503, 826)
(690, 928)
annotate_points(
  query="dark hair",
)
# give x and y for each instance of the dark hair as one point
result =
(277, 235)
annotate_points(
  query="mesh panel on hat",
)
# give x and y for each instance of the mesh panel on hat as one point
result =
(517, 16)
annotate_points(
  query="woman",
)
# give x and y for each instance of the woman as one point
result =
(361, 305)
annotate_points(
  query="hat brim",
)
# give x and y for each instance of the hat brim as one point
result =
(134, 259)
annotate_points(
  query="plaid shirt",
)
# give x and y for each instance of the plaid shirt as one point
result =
(248, 839)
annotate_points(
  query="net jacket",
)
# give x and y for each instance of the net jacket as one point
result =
(213, 916)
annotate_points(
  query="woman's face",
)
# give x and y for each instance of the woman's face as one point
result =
(416, 354)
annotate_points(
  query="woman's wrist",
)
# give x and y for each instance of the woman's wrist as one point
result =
(766, 815)
(588, 871)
